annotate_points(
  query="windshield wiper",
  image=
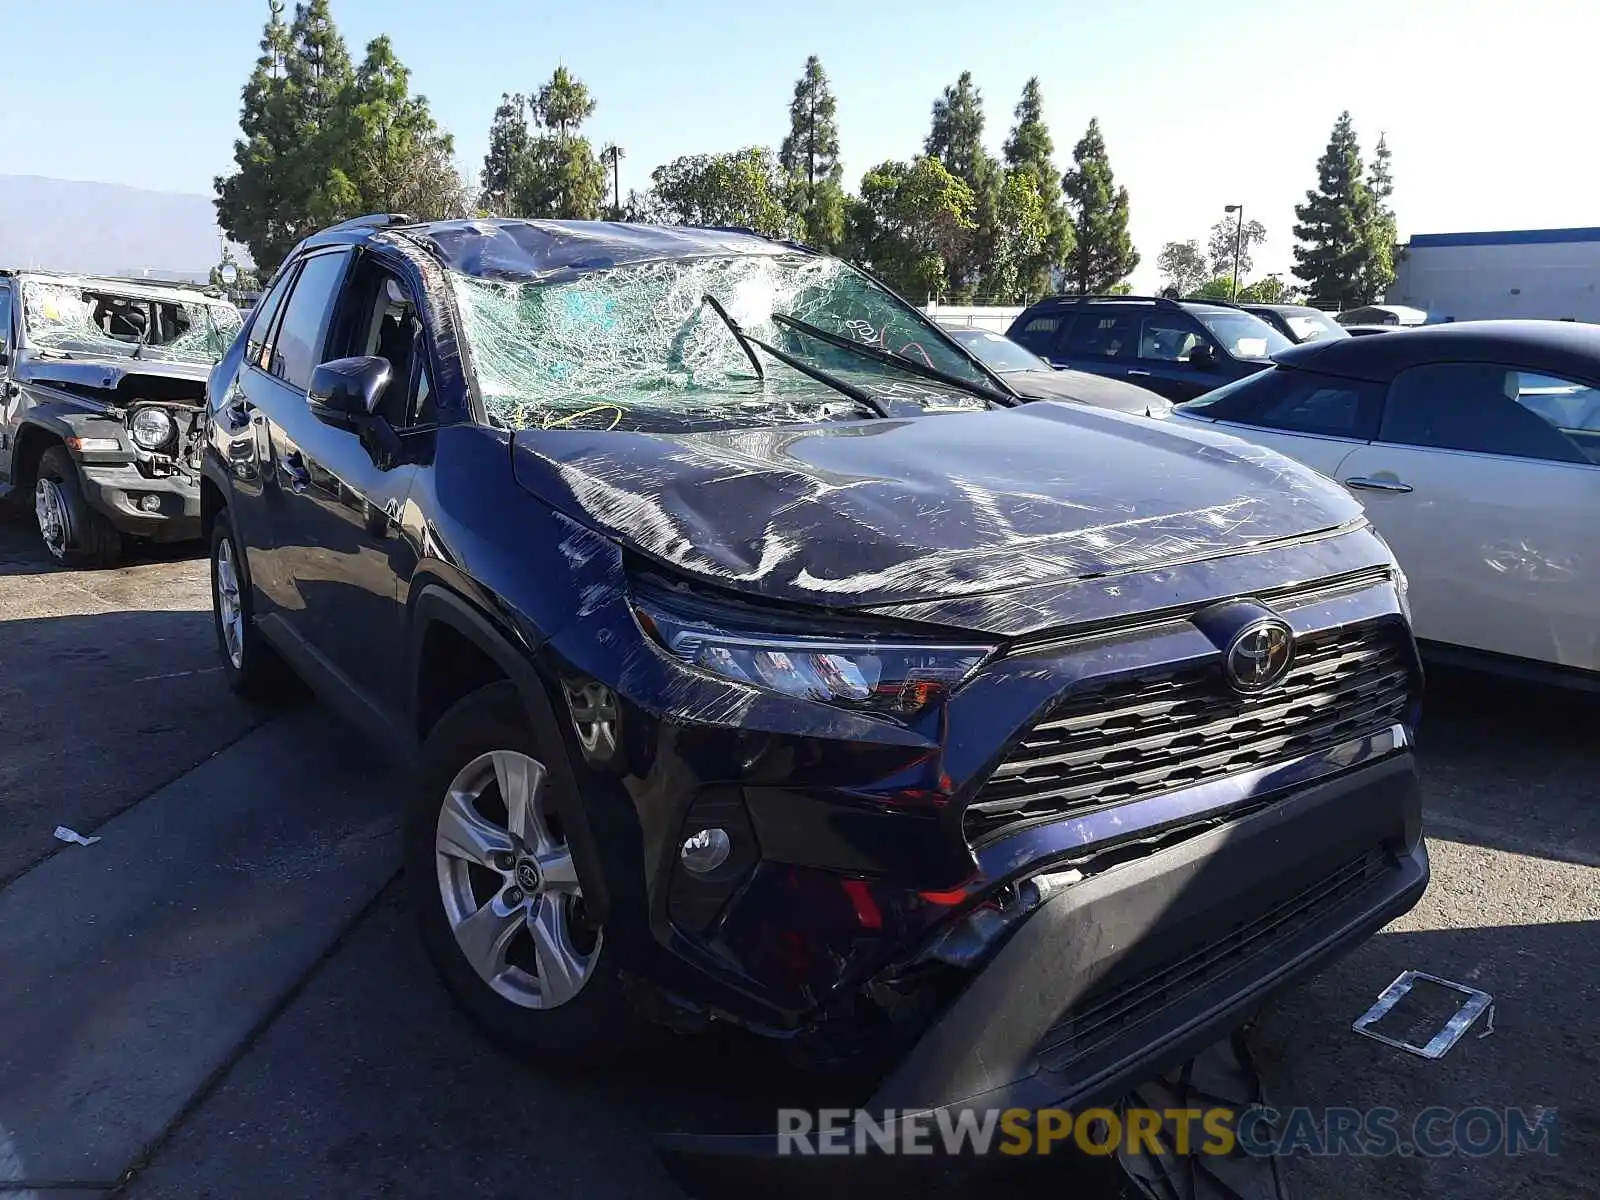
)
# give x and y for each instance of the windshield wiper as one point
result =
(747, 344)
(894, 360)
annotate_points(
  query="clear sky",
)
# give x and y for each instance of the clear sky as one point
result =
(1489, 107)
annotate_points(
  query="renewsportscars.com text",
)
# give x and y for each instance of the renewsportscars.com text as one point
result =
(1257, 1131)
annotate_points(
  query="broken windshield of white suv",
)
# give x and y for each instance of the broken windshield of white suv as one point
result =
(77, 319)
(638, 347)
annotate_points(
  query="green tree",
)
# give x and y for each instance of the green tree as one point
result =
(1344, 247)
(1268, 290)
(911, 222)
(254, 203)
(1183, 265)
(1218, 287)
(1385, 228)
(1220, 244)
(955, 139)
(503, 165)
(560, 176)
(244, 279)
(1030, 149)
(1019, 241)
(744, 188)
(809, 157)
(392, 156)
(1104, 253)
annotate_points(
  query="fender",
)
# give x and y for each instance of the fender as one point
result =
(436, 603)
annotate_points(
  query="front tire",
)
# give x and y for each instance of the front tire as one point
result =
(74, 534)
(249, 664)
(496, 891)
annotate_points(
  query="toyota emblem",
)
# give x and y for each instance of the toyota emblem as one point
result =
(1259, 655)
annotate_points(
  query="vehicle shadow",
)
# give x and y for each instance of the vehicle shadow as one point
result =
(1511, 766)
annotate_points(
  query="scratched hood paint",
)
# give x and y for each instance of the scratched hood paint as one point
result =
(883, 512)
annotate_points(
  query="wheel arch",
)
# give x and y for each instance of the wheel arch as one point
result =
(442, 620)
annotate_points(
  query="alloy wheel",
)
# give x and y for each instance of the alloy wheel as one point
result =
(230, 612)
(50, 509)
(508, 883)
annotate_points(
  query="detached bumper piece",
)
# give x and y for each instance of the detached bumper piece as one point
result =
(1124, 976)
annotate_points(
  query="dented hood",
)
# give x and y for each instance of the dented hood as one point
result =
(883, 512)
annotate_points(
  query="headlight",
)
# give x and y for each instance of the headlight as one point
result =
(151, 428)
(886, 676)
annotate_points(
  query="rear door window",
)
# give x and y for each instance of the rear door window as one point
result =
(1297, 402)
(1105, 334)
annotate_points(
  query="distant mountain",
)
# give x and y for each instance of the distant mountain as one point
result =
(104, 228)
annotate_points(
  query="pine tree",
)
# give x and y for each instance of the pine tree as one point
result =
(558, 174)
(392, 154)
(507, 156)
(955, 140)
(1340, 256)
(809, 158)
(1029, 150)
(1383, 252)
(251, 203)
(1104, 253)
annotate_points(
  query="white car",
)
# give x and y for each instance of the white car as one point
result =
(1475, 447)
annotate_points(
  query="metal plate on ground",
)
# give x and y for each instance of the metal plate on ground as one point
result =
(1416, 1003)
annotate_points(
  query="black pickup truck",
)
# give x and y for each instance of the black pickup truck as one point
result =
(102, 387)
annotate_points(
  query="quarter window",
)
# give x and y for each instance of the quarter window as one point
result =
(305, 319)
(1485, 409)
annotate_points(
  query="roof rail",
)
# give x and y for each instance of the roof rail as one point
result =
(1158, 300)
(372, 221)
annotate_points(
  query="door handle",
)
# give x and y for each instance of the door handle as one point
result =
(1137, 371)
(294, 468)
(1377, 485)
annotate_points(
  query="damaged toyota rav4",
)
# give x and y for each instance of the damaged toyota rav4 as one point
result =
(102, 387)
(770, 663)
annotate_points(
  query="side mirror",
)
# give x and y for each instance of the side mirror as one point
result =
(1202, 357)
(347, 390)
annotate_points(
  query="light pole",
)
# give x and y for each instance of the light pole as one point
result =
(1238, 245)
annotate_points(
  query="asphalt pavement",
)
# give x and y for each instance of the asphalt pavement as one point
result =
(224, 997)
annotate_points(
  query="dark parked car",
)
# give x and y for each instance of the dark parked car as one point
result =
(1179, 348)
(1034, 379)
(102, 385)
(770, 664)
(1298, 322)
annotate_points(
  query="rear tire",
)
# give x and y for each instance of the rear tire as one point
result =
(74, 534)
(539, 978)
(251, 666)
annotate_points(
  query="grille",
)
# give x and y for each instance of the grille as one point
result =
(1159, 732)
(1108, 1011)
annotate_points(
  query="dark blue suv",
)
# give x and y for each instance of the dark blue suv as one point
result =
(762, 660)
(1178, 348)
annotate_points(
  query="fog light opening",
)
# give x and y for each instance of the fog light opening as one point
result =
(703, 852)
(150, 502)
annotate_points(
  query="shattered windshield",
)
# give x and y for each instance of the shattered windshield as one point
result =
(72, 318)
(638, 346)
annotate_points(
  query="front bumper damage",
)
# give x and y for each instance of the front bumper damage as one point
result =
(1125, 974)
(118, 489)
